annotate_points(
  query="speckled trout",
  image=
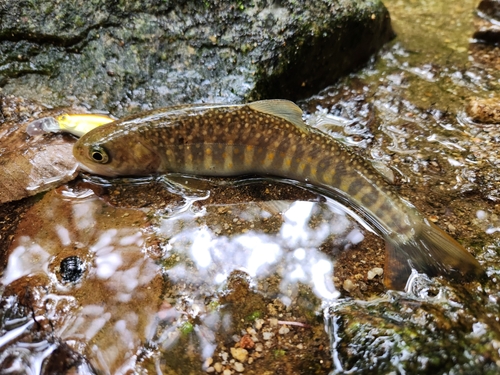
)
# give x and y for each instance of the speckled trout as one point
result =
(270, 138)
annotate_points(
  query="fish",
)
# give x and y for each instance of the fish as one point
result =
(76, 124)
(270, 138)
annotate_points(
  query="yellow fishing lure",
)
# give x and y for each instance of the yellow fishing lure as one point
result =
(76, 124)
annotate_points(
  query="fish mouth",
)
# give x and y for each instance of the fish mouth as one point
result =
(84, 168)
(88, 167)
(95, 171)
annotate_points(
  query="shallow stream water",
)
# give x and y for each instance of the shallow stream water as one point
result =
(191, 276)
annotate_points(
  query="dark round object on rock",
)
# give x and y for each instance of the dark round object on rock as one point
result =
(72, 269)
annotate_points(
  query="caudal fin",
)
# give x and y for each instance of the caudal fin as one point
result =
(431, 251)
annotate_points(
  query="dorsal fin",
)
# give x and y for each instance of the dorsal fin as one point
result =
(284, 109)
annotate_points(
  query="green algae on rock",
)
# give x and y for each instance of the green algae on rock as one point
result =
(416, 334)
(123, 56)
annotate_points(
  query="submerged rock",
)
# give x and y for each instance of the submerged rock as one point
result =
(489, 8)
(30, 165)
(487, 25)
(133, 55)
(416, 334)
(484, 110)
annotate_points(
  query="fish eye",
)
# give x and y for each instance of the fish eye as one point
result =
(98, 154)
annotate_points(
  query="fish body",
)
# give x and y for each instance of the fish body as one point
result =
(270, 138)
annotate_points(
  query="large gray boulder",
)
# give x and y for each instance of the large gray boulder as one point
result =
(127, 55)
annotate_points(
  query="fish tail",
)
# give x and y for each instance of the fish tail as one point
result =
(431, 251)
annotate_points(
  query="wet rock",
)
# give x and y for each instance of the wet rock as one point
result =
(489, 8)
(117, 296)
(218, 367)
(377, 271)
(419, 335)
(239, 354)
(65, 360)
(349, 285)
(246, 342)
(487, 27)
(485, 111)
(30, 165)
(238, 367)
(118, 56)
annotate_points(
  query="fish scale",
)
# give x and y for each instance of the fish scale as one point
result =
(269, 138)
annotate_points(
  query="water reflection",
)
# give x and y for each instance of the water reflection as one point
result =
(105, 313)
(257, 253)
(113, 313)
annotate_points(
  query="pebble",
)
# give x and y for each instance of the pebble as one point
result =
(247, 342)
(210, 369)
(484, 110)
(284, 330)
(259, 347)
(227, 372)
(239, 354)
(349, 285)
(258, 324)
(481, 215)
(218, 366)
(273, 322)
(376, 271)
(239, 367)
(267, 335)
(434, 218)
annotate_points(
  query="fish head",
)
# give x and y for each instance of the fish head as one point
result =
(115, 156)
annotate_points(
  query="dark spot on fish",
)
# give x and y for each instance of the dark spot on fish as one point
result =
(354, 187)
(385, 209)
(369, 199)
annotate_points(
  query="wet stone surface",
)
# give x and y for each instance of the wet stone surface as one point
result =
(32, 164)
(487, 21)
(133, 55)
